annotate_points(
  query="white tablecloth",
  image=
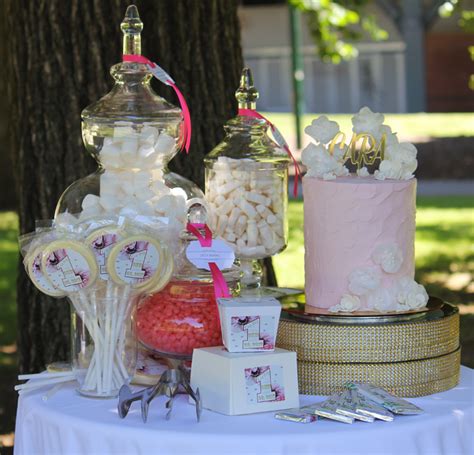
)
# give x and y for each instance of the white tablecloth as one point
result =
(70, 424)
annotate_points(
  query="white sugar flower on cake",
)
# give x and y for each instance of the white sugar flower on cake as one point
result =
(371, 142)
(410, 295)
(348, 304)
(400, 162)
(381, 300)
(322, 129)
(389, 257)
(367, 121)
(322, 164)
(364, 280)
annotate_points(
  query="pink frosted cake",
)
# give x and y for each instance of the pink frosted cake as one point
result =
(360, 228)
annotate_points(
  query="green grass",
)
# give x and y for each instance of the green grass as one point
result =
(8, 271)
(407, 125)
(444, 248)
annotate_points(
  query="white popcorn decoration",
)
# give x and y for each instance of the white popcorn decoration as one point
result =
(245, 207)
(389, 257)
(321, 163)
(322, 129)
(348, 304)
(367, 121)
(381, 300)
(364, 280)
(363, 172)
(399, 161)
(410, 295)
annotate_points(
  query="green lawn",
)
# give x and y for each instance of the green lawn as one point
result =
(410, 126)
(444, 248)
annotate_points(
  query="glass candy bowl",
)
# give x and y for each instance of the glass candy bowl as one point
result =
(247, 187)
(132, 133)
(184, 315)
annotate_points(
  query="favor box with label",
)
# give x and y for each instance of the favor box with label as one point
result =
(249, 324)
(238, 383)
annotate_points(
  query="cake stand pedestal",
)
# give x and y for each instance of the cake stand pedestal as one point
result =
(410, 354)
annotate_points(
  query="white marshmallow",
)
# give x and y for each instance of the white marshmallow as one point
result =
(252, 233)
(147, 155)
(109, 203)
(221, 224)
(225, 208)
(271, 219)
(228, 187)
(90, 201)
(240, 225)
(248, 209)
(234, 215)
(165, 144)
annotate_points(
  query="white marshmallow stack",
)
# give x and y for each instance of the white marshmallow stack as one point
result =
(246, 203)
(131, 147)
(133, 183)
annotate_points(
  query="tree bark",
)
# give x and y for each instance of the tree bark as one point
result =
(58, 61)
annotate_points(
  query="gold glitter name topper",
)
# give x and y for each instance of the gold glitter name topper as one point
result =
(363, 149)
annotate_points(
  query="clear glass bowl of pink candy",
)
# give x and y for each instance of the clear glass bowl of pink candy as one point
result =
(181, 317)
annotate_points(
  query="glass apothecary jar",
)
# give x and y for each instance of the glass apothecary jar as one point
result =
(247, 187)
(184, 315)
(103, 343)
(132, 133)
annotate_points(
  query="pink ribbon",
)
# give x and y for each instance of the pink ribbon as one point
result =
(164, 77)
(220, 285)
(279, 139)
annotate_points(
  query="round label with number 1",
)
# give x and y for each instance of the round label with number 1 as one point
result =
(136, 260)
(102, 241)
(35, 272)
(69, 265)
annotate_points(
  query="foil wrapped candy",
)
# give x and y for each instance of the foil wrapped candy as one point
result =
(168, 385)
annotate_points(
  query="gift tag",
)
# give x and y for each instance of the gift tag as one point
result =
(69, 265)
(220, 253)
(102, 241)
(137, 260)
(35, 272)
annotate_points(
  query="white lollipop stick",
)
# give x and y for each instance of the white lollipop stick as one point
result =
(24, 377)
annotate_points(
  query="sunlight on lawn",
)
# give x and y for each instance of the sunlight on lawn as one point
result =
(408, 126)
(444, 248)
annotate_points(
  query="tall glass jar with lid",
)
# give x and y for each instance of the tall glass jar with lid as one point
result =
(246, 187)
(132, 133)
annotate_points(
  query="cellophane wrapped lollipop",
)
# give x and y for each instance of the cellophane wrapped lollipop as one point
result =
(103, 268)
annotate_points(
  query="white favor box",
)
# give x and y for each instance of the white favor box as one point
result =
(249, 324)
(237, 383)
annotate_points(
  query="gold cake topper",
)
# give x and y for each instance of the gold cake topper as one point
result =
(366, 154)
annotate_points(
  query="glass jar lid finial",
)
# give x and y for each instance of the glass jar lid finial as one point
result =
(246, 94)
(132, 27)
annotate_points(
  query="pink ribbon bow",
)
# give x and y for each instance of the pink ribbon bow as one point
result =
(164, 77)
(280, 141)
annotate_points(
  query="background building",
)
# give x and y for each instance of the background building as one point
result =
(424, 65)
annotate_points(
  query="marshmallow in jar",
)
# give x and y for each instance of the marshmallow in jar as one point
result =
(246, 183)
(132, 133)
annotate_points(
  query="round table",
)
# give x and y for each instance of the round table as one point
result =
(70, 424)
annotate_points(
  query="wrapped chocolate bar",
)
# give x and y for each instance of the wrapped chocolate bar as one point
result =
(346, 407)
(296, 415)
(385, 399)
(369, 408)
(328, 409)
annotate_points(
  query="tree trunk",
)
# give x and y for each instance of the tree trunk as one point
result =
(58, 62)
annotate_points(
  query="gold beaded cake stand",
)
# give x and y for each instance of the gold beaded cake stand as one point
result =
(409, 354)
